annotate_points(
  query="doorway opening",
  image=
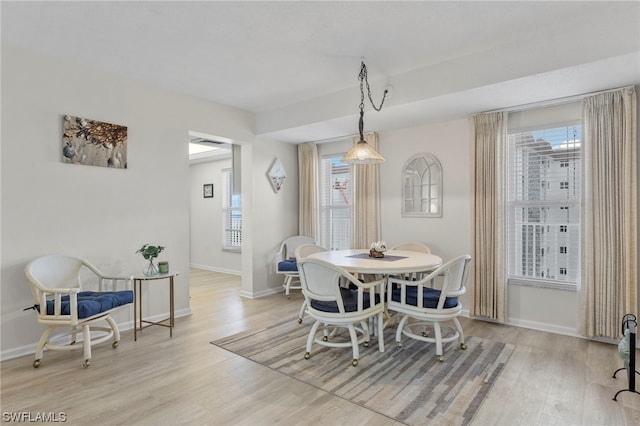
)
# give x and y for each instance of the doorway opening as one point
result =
(215, 204)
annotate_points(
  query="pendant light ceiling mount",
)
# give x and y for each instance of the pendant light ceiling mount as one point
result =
(362, 152)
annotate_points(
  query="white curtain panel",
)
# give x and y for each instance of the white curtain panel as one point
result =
(489, 288)
(365, 221)
(609, 246)
(308, 184)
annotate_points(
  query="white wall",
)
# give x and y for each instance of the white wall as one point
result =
(106, 214)
(274, 215)
(206, 220)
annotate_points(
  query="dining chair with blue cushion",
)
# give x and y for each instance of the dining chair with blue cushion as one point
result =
(303, 251)
(337, 300)
(59, 287)
(286, 263)
(423, 308)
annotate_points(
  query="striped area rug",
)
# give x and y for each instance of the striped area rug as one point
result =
(407, 384)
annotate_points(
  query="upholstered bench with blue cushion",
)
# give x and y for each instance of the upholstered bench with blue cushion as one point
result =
(92, 303)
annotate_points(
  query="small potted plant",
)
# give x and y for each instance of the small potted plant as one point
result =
(149, 253)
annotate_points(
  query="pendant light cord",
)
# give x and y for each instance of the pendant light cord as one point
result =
(363, 79)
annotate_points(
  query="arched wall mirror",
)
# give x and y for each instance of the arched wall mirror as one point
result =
(422, 186)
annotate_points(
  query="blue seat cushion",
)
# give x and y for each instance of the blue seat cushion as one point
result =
(289, 265)
(91, 303)
(430, 298)
(349, 299)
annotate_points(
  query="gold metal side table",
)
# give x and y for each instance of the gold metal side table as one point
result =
(138, 321)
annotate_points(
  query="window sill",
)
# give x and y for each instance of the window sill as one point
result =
(555, 285)
(231, 250)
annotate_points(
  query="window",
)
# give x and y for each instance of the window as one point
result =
(544, 181)
(335, 203)
(231, 214)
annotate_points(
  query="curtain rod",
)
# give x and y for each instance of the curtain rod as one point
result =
(553, 102)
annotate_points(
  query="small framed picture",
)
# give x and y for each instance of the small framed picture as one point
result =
(207, 190)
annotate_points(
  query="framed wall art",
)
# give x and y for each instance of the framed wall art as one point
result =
(207, 190)
(277, 175)
(93, 143)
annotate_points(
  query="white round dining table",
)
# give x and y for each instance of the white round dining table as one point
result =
(394, 261)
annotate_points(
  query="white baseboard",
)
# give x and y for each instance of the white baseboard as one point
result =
(259, 294)
(128, 325)
(215, 269)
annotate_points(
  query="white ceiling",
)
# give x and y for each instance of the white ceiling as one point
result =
(295, 64)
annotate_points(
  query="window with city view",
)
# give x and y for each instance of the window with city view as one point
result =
(544, 205)
(335, 203)
(231, 214)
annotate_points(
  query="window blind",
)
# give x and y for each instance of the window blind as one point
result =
(231, 214)
(335, 203)
(544, 205)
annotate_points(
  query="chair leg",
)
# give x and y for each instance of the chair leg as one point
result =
(116, 332)
(438, 338)
(43, 341)
(287, 284)
(401, 325)
(463, 346)
(312, 335)
(380, 324)
(86, 344)
(303, 309)
(354, 344)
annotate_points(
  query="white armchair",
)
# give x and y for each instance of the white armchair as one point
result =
(333, 306)
(303, 251)
(421, 306)
(286, 262)
(57, 285)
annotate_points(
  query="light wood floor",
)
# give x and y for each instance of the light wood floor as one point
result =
(549, 380)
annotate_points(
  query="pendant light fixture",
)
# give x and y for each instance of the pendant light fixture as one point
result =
(362, 152)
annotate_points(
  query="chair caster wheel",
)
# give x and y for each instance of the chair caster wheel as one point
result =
(463, 346)
(115, 344)
(86, 363)
(325, 338)
(299, 320)
(441, 358)
(400, 345)
(307, 355)
(354, 362)
(36, 363)
(424, 334)
(366, 344)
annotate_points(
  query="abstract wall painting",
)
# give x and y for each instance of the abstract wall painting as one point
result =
(94, 143)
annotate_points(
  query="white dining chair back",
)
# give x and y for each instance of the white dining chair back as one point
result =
(424, 310)
(334, 306)
(413, 246)
(303, 251)
(286, 261)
